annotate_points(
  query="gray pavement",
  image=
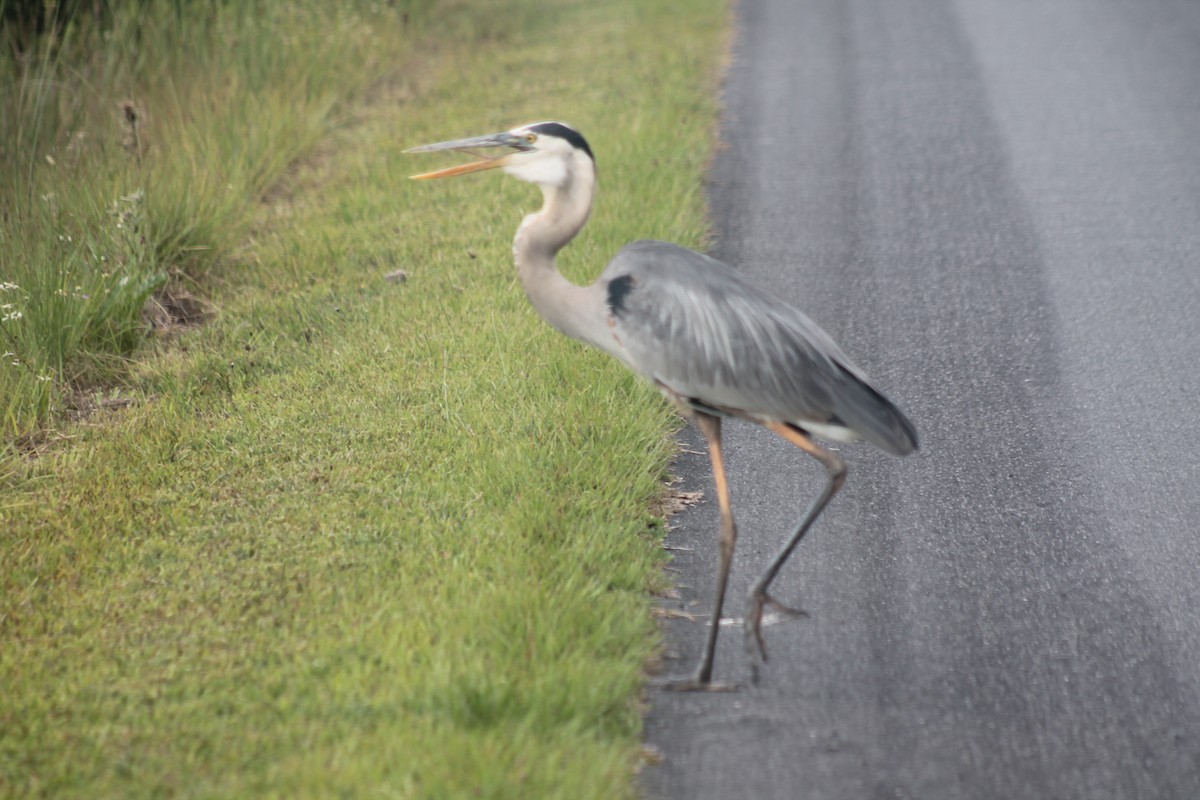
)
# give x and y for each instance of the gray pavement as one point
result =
(994, 206)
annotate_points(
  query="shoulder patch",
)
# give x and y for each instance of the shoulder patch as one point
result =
(619, 289)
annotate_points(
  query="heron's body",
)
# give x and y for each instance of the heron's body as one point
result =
(700, 330)
(713, 342)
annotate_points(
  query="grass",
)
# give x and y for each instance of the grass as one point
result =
(133, 149)
(357, 537)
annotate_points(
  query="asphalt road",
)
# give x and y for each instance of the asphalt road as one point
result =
(994, 206)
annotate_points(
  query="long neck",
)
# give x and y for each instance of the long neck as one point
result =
(571, 309)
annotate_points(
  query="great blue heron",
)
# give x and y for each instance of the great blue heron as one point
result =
(712, 342)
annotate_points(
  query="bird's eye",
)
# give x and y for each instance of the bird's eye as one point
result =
(531, 137)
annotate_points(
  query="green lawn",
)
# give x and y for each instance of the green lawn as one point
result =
(356, 537)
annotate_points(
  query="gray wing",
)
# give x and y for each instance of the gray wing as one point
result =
(698, 327)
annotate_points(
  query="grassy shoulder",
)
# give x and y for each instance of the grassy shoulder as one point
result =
(136, 139)
(363, 537)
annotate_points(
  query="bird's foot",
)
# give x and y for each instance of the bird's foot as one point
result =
(756, 647)
(695, 682)
(787, 611)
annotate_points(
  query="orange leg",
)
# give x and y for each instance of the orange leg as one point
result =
(835, 467)
(702, 678)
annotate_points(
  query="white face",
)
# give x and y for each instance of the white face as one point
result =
(547, 164)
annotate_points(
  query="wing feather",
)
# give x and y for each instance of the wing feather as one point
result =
(704, 331)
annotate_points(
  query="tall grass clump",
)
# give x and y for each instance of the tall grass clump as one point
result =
(134, 139)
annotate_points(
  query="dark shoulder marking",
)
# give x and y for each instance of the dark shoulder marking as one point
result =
(563, 132)
(618, 289)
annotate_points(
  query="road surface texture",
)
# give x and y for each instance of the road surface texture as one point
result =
(994, 206)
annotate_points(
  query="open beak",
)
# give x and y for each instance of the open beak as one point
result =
(506, 140)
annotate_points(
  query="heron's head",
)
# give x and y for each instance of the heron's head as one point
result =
(549, 154)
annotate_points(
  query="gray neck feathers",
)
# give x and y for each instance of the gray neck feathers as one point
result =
(569, 308)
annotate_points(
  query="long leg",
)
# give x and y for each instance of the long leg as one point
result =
(835, 467)
(702, 678)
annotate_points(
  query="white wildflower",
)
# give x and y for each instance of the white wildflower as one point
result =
(11, 316)
(8, 287)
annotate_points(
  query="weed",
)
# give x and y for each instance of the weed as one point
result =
(133, 146)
